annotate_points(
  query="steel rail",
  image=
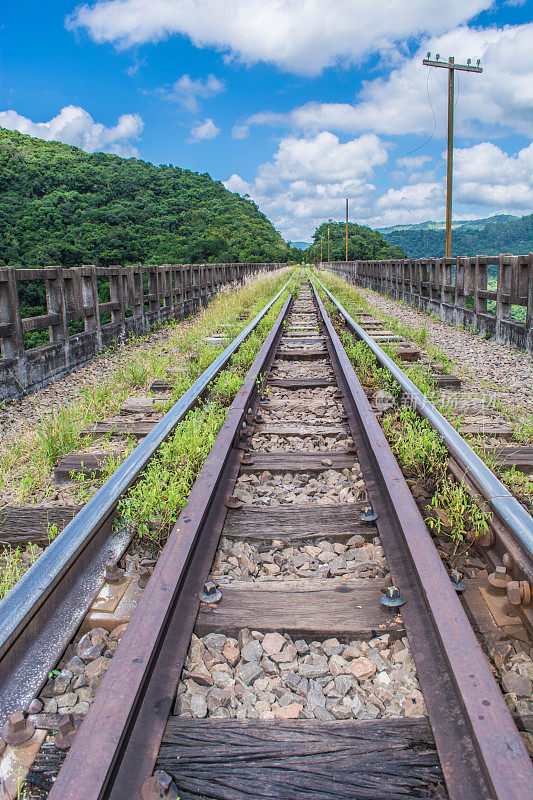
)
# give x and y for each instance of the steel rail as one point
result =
(116, 747)
(507, 507)
(41, 613)
(481, 752)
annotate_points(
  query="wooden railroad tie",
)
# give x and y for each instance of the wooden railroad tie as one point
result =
(119, 428)
(266, 759)
(93, 464)
(302, 383)
(298, 461)
(290, 525)
(307, 607)
(520, 457)
(301, 355)
(297, 429)
(22, 524)
(488, 430)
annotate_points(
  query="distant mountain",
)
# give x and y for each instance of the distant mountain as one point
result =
(503, 233)
(301, 245)
(431, 225)
(482, 223)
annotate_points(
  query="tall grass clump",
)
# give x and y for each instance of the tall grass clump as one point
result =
(153, 504)
(13, 564)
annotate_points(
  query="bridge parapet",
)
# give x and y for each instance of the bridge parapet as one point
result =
(80, 324)
(458, 290)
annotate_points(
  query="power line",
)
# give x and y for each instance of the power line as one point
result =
(434, 120)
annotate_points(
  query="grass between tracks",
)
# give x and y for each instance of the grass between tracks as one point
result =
(27, 456)
(418, 447)
(154, 502)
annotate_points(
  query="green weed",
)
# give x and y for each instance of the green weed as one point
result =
(416, 444)
(14, 563)
(152, 506)
(523, 430)
(226, 386)
(466, 518)
(59, 433)
(25, 460)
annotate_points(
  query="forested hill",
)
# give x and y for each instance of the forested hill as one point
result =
(60, 205)
(363, 243)
(494, 237)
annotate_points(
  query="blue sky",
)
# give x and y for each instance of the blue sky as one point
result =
(298, 103)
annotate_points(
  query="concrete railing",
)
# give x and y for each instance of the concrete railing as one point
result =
(456, 290)
(140, 299)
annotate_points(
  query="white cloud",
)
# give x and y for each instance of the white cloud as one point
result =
(203, 131)
(410, 170)
(74, 125)
(409, 204)
(486, 175)
(187, 92)
(487, 180)
(498, 101)
(236, 184)
(240, 131)
(301, 37)
(309, 178)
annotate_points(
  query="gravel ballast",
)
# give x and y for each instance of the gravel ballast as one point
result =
(357, 558)
(484, 364)
(273, 676)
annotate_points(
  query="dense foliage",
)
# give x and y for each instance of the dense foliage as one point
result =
(60, 205)
(494, 237)
(363, 243)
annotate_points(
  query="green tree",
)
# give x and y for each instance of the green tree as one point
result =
(60, 205)
(363, 243)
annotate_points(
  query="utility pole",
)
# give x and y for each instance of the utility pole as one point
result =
(328, 245)
(346, 229)
(321, 243)
(451, 66)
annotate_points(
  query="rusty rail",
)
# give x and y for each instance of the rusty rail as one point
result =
(41, 613)
(117, 744)
(481, 752)
(502, 502)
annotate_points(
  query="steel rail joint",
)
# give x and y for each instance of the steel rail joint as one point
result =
(141, 661)
(507, 507)
(38, 587)
(503, 759)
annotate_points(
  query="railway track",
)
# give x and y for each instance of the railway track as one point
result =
(299, 634)
(507, 545)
